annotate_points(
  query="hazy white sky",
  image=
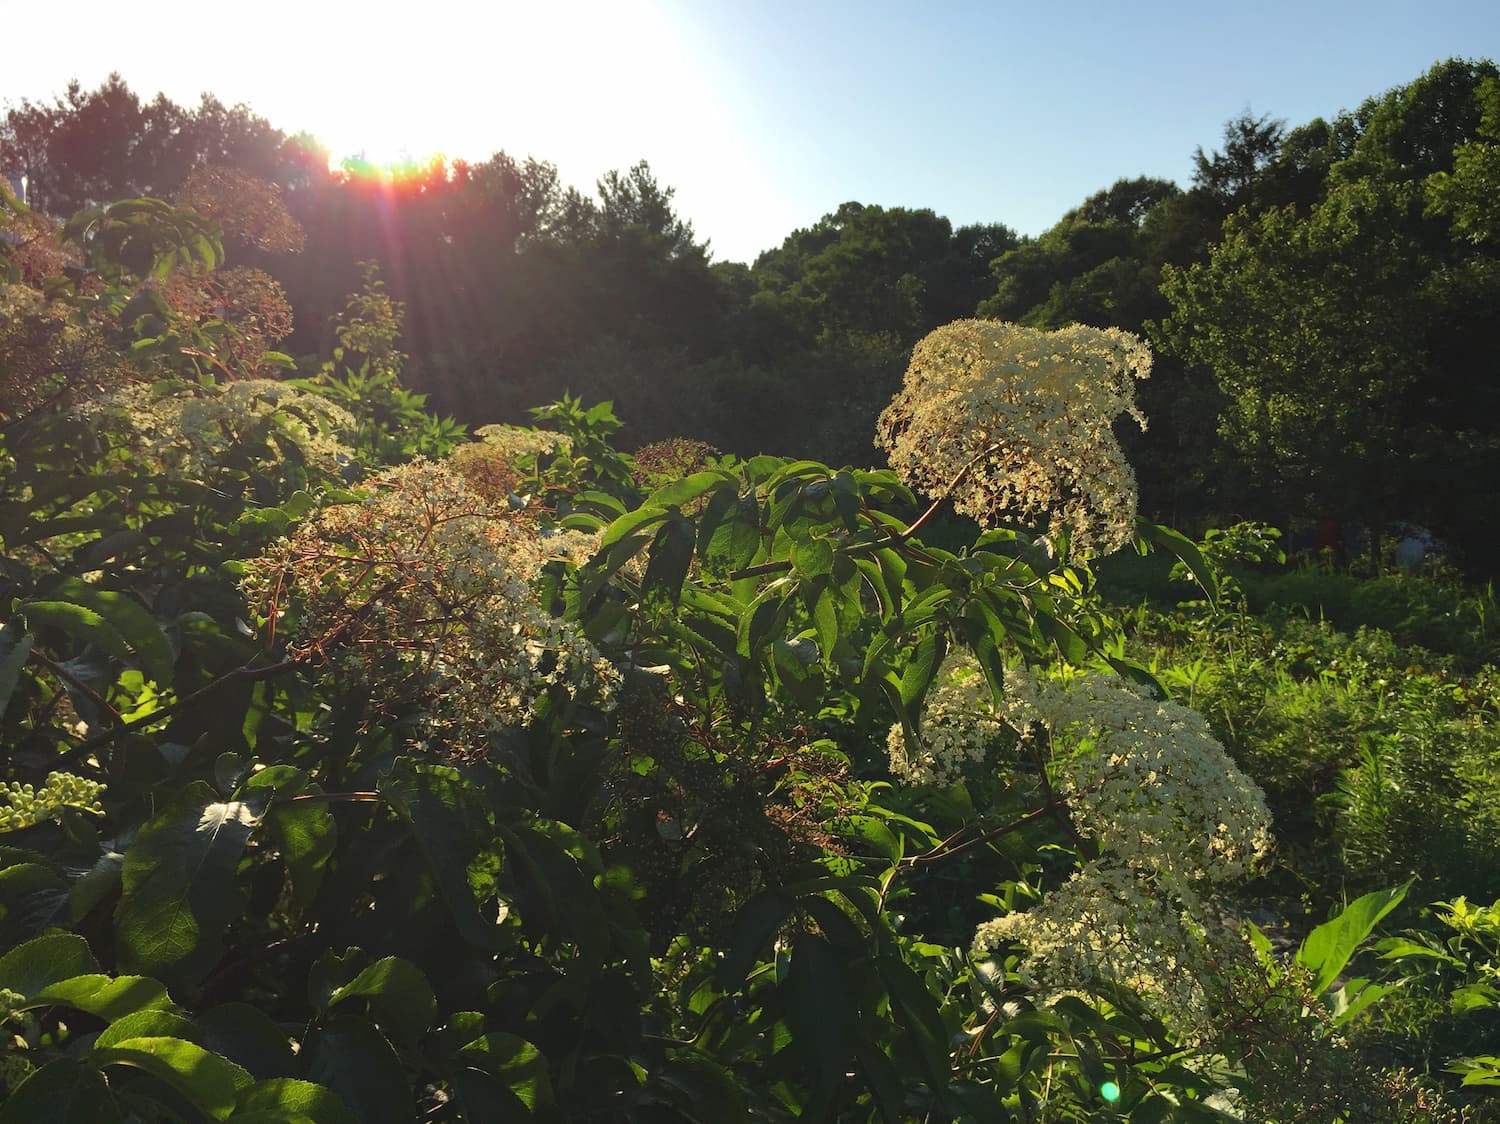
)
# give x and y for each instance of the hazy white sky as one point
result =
(765, 115)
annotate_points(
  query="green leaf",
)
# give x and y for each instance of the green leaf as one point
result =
(180, 890)
(1356, 995)
(670, 558)
(1329, 947)
(820, 1009)
(64, 1091)
(108, 997)
(289, 1097)
(210, 1082)
(1070, 645)
(918, 674)
(44, 961)
(1481, 1070)
(703, 1088)
(350, 1059)
(812, 558)
(83, 626)
(1186, 551)
(682, 491)
(247, 1036)
(550, 866)
(305, 833)
(516, 1062)
(484, 1097)
(733, 542)
(452, 825)
(129, 619)
(400, 998)
(630, 523)
(915, 1009)
(15, 650)
(756, 923)
(157, 1023)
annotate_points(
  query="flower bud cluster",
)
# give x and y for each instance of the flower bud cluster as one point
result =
(423, 589)
(26, 806)
(1023, 419)
(960, 726)
(195, 428)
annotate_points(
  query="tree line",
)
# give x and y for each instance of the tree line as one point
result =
(1320, 297)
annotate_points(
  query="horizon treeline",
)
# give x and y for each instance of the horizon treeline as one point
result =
(1320, 297)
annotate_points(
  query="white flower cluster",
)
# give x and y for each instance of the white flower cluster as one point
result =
(960, 724)
(25, 806)
(1111, 925)
(424, 590)
(517, 441)
(1171, 814)
(1145, 778)
(1023, 419)
(194, 428)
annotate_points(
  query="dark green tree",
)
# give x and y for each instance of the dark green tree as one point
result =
(1354, 338)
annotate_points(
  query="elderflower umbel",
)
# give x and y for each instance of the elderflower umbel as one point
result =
(423, 589)
(1146, 779)
(1025, 416)
(1111, 925)
(194, 428)
(960, 724)
(1172, 815)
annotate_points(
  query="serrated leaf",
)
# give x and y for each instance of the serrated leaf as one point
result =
(679, 492)
(15, 650)
(82, 625)
(210, 1082)
(812, 558)
(756, 923)
(519, 1064)
(129, 619)
(400, 998)
(349, 1057)
(290, 1097)
(305, 832)
(1186, 551)
(64, 1091)
(820, 1009)
(449, 818)
(179, 886)
(247, 1036)
(108, 997)
(631, 523)
(152, 1023)
(45, 961)
(670, 558)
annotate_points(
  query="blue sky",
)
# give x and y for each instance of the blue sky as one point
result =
(766, 114)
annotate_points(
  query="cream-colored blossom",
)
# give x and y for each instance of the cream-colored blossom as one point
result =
(1172, 815)
(1113, 925)
(517, 441)
(1145, 778)
(193, 428)
(423, 589)
(960, 725)
(1026, 417)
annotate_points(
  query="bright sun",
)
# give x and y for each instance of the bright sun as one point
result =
(510, 79)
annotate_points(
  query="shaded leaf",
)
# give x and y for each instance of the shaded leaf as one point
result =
(179, 884)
